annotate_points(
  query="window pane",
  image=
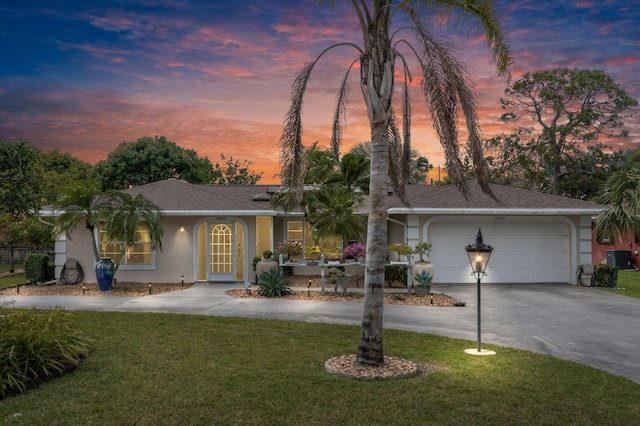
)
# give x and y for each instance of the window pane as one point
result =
(138, 253)
(294, 230)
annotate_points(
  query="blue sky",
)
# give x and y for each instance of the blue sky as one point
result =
(214, 76)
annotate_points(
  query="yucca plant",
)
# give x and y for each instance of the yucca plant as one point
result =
(272, 283)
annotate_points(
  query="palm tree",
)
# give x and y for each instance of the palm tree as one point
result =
(418, 165)
(622, 193)
(446, 92)
(330, 211)
(82, 203)
(353, 174)
(128, 216)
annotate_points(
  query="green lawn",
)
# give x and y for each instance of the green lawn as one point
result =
(628, 283)
(150, 369)
(14, 278)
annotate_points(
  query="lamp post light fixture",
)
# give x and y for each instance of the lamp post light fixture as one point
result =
(479, 254)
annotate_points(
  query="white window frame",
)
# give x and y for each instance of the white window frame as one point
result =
(124, 265)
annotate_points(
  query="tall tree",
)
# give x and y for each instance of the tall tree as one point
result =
(59, 171)
(234, 172)
(150, 160)
(444, 86)
(19, 178)
(570, 111)
(19, 190)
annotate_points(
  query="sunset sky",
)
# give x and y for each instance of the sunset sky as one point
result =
(214, 76)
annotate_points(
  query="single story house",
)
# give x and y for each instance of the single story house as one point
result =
(212, 233)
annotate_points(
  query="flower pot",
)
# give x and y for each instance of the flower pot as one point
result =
(104, 274)
(265, 265)
(422, 274)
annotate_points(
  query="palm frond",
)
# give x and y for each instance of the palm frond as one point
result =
(406, 130)
(442, 83)
(340, 114)
(292, 153)
(292, 156)
(483, 12)
(395, 159)
(622, 193)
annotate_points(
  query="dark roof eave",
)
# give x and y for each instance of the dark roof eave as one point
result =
(497, 211)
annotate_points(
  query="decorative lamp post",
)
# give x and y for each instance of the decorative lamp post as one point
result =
(479, 254)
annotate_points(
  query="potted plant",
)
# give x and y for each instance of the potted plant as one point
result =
(422, 271)
(290, 249)
(266, 264)
(353, 251)
(401, 249)
(422, 282)
(332, 255)
(423, 250)
(312, 254)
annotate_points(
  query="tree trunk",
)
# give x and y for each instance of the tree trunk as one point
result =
(377, 88)
(12, 259)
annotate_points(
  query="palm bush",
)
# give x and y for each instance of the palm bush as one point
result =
(272, 283)
(35, 346)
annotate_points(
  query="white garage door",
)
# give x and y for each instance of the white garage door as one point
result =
(526, 250)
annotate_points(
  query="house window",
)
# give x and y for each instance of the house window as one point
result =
(294, 230)
(138, 253)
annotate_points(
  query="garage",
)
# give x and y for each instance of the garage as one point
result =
(527, 249)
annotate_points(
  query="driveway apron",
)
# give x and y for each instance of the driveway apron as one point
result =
(580, 324)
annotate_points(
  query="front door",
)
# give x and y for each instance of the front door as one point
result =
(220, 252)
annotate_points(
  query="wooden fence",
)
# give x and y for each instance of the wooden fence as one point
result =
(19, 253)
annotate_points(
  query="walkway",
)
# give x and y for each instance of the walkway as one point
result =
(580, 324)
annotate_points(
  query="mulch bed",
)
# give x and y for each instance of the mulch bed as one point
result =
(434, 299)
(125, 289)
(132, 289)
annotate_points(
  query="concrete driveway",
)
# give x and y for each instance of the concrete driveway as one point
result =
(580, 324)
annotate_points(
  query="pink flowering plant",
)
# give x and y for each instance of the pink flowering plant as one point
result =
(353, 251)
(290, 248)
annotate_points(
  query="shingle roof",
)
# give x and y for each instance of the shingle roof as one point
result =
(174, 195)
(178, 197)
(429, 197)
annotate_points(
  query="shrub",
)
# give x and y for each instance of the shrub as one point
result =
(271, 283)
(38, 268)
(604, 276)
(255, 262)
(35, 346)
(396, 273)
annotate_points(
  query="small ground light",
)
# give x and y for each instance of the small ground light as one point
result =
(18, 289)
(309, 289)
(150, 288)
(182, 281)
(84, 289)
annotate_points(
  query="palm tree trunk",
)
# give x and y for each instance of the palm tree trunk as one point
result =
(370, 348)
(377, 89)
